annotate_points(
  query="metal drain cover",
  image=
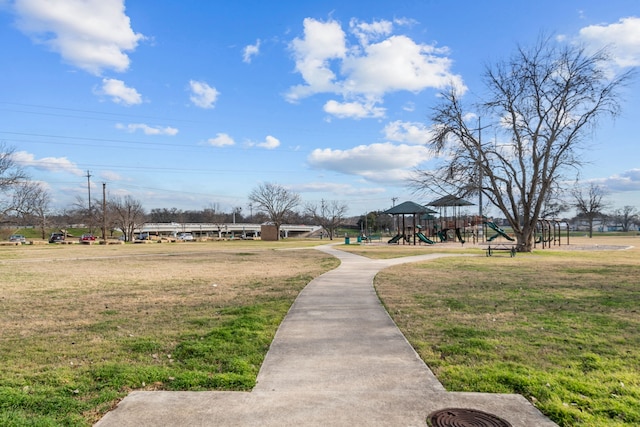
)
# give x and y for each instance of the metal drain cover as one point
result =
(459, 417)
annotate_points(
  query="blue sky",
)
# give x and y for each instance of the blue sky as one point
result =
(192, 103)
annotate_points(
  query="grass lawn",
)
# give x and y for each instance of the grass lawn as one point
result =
(84, 325)
(562, 328)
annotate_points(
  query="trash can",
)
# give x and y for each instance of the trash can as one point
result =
(346, 240)
(359, 239)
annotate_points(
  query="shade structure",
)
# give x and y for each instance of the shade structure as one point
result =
(409, 208)
(450, 201)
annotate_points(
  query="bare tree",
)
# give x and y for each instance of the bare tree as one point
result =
(590, 203)
(128, 214)
(329, 215)
(541, 103)
(11, 177)
(626, 217)
(31, 201)
(275, 201)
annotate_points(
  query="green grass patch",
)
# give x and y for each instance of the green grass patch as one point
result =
(560, 328)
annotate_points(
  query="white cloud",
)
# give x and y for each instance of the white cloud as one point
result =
(384, 162)
(250, 51)
(221, 140)
(354, 110)
(375, 64)
(93, 35)
(322, 42)
(409, 132)
(399, 64)
(147, 130)
(50, 164)
(203, 95)
(269, 143)
(119, 92)
(626, 181)
(367, 31)
(623, 37)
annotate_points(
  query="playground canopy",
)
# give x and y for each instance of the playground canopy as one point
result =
(450, 201)
(408, 208)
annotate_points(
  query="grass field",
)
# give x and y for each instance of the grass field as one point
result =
(84, 325)
(562, 328)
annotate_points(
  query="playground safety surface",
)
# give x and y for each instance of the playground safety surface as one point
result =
(337, 359)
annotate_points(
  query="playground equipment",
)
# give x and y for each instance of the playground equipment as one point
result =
(549, 231)
(396, 238)
(499, 232)
(424, 238)
(455, 223)
(405, 231)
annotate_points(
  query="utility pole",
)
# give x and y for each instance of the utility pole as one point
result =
(89, 191)
(104, 212)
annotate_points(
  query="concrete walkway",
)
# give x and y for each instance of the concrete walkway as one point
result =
(337, 360)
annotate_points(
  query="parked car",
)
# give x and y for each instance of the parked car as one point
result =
(185, 236)
(56, 238)
(18, 238)
(87, 238)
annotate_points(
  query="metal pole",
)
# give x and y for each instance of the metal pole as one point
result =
(104, 212)
(89, 191)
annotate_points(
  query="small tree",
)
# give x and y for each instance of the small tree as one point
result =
(329, 215)
(275, 201)
(590, 203)
(128, 214)
(626, 217)
(32, 200)
(541, 104)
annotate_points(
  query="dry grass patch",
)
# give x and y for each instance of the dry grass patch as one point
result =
(83, 325)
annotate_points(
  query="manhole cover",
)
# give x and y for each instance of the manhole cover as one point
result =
(458, 417)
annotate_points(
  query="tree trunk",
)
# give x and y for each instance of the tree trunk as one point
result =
(524, 239)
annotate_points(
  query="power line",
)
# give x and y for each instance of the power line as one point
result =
(77, 110)
(145, 144)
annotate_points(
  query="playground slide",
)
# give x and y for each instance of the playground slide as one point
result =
(395, 238)
(424, 238)
(492, 238)
(459, 235)
(442, 235)
(498, 230)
